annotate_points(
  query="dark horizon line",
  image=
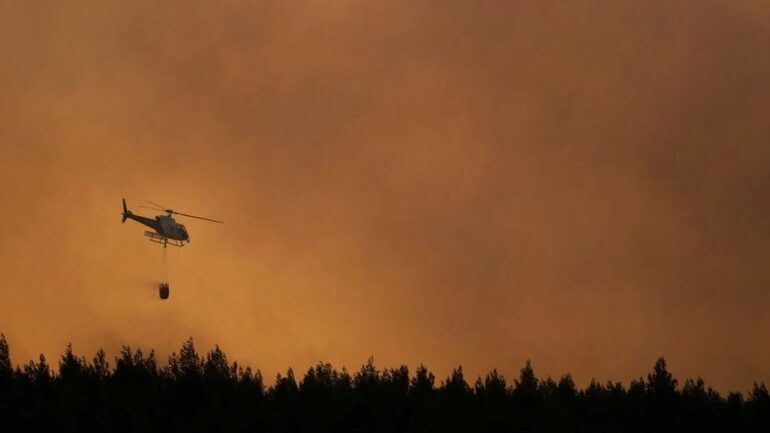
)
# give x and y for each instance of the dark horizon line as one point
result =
(151, 359)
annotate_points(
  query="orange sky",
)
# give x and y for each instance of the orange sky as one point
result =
(584, 184)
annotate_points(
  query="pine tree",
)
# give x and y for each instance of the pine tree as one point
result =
(5, 360)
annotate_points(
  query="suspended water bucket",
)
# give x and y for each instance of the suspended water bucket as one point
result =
(163, 290)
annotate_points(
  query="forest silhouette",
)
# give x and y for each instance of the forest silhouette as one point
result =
(207, 393)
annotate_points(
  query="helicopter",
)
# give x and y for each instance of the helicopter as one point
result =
(167, 230)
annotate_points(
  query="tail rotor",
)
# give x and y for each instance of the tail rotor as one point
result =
(126, 212)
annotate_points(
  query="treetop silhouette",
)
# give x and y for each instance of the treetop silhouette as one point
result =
(195, 392)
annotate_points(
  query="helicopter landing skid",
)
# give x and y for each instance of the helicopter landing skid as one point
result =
(154, 237)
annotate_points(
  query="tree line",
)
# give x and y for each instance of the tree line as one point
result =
(193, 392)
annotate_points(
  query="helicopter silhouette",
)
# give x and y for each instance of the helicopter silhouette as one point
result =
(167, 230)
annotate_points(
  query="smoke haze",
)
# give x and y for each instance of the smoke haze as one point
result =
(582, 184)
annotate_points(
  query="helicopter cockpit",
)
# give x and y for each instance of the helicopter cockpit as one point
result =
(183, 232)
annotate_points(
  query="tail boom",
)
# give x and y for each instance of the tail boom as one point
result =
(149, 222)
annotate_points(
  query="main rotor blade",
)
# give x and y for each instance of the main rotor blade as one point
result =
(200, 218)
(153, 208)
(156, 204)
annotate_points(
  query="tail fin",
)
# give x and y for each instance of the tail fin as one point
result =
(126, 212)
